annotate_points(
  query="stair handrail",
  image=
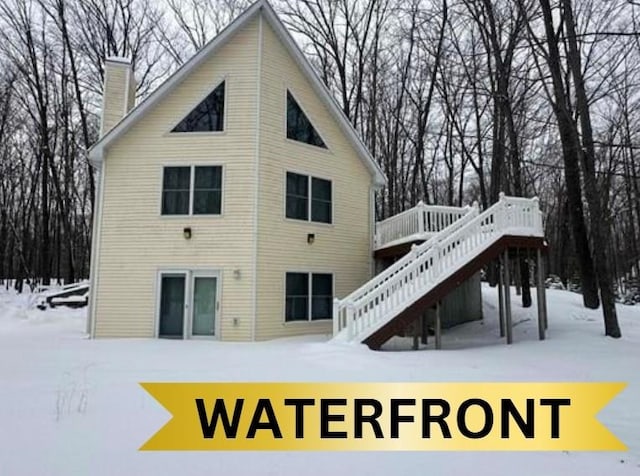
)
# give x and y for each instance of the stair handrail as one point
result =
(422, 206)
(471, 212)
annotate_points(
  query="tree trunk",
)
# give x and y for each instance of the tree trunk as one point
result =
(600, 228)
(570, 156)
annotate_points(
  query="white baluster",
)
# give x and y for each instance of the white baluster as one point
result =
(350, 311)
(336, 316)
(536, 223)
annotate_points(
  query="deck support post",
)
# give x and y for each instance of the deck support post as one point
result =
(507, 297)
(424, 327)
(542, 299)
(438, 327)
(417, 330)
(517, 278)
(501, 294)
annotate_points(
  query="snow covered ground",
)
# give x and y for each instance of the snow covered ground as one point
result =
(69, 405)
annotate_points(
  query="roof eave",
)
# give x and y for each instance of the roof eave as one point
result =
(96, 156)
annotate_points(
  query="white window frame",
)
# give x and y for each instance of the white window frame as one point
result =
(309, 274)
(310, 178)
(192, 181)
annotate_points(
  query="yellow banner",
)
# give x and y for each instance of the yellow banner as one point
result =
(384, 416)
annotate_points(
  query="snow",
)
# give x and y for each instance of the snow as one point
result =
(119, 59)
(70, 405)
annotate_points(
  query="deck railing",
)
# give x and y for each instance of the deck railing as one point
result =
(378, 301)
(416, 223)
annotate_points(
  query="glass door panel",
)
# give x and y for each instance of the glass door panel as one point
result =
(204, 305)
(172, 294)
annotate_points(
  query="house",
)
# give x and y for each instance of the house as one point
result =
(237, 202)
(238, 179)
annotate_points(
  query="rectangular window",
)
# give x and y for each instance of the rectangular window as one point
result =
(321, 296)
(309, 296)
(308, 198)
(192, 190)
(297, 196)
(297, 300)
(207, 191)
(176, 184)
(320, 200)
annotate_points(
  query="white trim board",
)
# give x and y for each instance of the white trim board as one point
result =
(97, 152)
(256, 188)
(96, 239)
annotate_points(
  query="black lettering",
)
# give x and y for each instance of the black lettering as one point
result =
(396, 418)
(526, 426)
(326, 418)
(555, 404)
(299, 403)
(428, 418)
(219, 411)
(360, 419)
(488, 418)
(264, 406)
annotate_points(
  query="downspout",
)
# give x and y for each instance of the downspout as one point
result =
(372, 230)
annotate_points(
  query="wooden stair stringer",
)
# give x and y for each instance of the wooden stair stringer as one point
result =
(442, 289)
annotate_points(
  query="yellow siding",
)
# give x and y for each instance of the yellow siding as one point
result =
(342, 248)
(136, 242)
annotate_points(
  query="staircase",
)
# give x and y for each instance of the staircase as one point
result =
(374, 312)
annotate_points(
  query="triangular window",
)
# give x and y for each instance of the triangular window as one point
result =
(207, 116)
(299, 126)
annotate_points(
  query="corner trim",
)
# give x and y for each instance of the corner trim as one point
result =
(95, 256)
(256, 198)
(127, 88)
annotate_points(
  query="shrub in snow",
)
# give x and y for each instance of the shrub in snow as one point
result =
(630, 291)
(574, 284)
(554, 282)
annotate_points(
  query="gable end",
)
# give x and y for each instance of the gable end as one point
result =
(96, 153)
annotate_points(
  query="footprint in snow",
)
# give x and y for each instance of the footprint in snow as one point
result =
(583, 317)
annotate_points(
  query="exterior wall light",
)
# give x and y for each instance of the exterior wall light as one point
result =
(236, 273)
(186, 232)
(311, 238)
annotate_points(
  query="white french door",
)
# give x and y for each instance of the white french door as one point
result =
(189, 304)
